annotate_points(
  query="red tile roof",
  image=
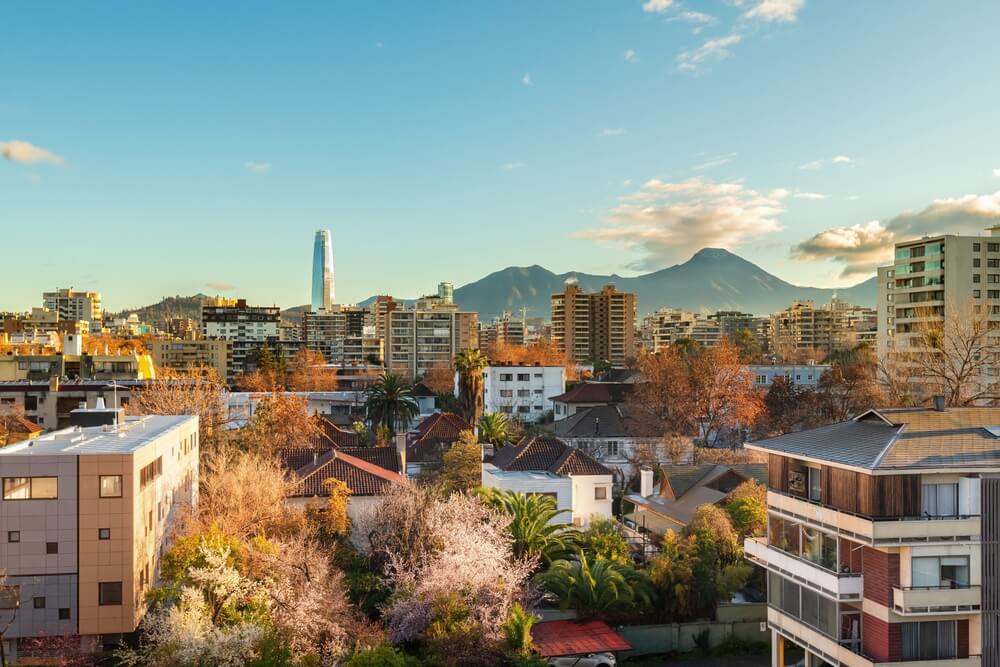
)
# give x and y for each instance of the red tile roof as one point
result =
(19, 424)
(362, 478)
(341, 437)
(555, 638)
(434, 435)
(544, 452)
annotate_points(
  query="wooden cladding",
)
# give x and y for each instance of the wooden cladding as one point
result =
(855, 492)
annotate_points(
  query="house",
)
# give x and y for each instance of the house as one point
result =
(883, 540)
(431, 439)
(546, 465)
(337, 435)
(523, 391)
(802, 375)
(685, 488)
(588, 395)
(610, 435)
(425, 397)
(15, 428)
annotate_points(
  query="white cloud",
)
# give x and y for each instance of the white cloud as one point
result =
(612, 132)
(811, 166)
(220, 287)
(714, 50)
(697, 18)
(669, 221)
(779, 193)
(526, 79)
(780, 11)
(841, 159)
(631, 56)
(257, 167)
(996, 173)
(627, 182)
(861, 248)
(715, 162)
(810, 195)
(22, 151)
(515, 164)
(657, 6)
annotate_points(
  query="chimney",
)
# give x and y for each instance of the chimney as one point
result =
(645, 483)
(315, 457)
(401, 452)
(939, 403)
(597, 425)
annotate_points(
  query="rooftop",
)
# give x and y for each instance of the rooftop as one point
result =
(134, 434)
(555, 638)
(595, 392)
(543, 453)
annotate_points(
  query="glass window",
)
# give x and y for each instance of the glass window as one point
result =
(51, 547)
(44, 487)
(13, 536)
(111, 486)
(814, 484)
(929, 640)
(27, 488)
(939, 499)
(38, 603)
(109, 593)
(104, 533)
(940, 572)
(64, 614)
(600, 493)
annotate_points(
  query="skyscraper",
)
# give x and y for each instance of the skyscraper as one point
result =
(322, 283)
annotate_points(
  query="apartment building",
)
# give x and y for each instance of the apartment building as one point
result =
(503, 330)
(73, 363)
(43, 320)
(345, 335)
(50, 403)
(807, 330)
(802, 375)
(86, 515)
(594, 326)
(883, 540)
(522, 391)
(429, 335)
(73, 305)
(185, 354)
(248, 328)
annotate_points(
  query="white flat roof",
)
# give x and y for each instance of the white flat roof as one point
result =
(134, 434)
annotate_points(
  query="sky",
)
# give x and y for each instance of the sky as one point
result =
(161, 148)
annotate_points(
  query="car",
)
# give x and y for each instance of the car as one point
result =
(588, 660)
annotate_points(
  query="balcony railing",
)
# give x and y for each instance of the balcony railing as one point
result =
(926, 600)
(842, 586)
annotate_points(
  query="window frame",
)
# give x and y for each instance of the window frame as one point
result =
(100, 486)
(9, 481)
(102, 596)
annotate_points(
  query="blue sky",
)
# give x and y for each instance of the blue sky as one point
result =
(175, 148)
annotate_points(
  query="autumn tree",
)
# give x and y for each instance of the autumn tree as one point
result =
(329, 514)
(542, 352)
(747, 508)
(462, 464)
(196, 391)
(309, 372)
(723, 391)
(850, 386)
(663, 402)
(788, 407)
(280, 420)
(440, 379)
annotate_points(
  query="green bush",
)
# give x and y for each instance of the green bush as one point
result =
(733, 645)
(382, 656)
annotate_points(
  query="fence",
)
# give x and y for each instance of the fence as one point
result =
(742, 620)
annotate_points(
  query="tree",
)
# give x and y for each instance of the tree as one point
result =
(788, 407)
(280, 421)
(605, 539)
(850, 386)
(596, 586)
(714, 521)
(664, 402)
(381, 656)
(440, 379)
(196, 391)
(462, 464)
(747, 508)
(470, 364)
(542, 353)
(390, 403)
(723, 391)
(748, 345)
(495, 429)
(517, 631)
(534, 526)
(309, 372)
(329, 515)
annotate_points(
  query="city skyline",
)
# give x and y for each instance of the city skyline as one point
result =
(801, 136)
(323, 295)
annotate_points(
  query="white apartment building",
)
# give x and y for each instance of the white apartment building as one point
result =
(524, 392)
(427, 336)
(72, 305)
(248, 327)
(803, 375)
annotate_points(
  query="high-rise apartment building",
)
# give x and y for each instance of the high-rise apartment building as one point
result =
(503, 330)
(805, 329)
(427, 336)
(594, 326)
(323, 296)
(87, 513)
(883, 540)
(248, 327)
(345, 336)
(188, 354)
(72, 305)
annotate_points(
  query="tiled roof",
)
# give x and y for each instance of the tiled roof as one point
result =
(543, 452)
(362, 478)
(900, 439)
(555, 638)
(19, 424)
(420, 390)
(341, 437)
(433, 435)
(383, 457)
(595, 392)
(600, 421)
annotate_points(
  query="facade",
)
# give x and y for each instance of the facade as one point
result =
(50, 403)
(524, 392)
(590, 394)
(122, 366)
(590, 327)
(427, 336)
(86, 514)
(323, 296)
(43, 320)
(184, 354)
(248, 328)
(803, 375)
(72, 305)
(345, 335)
(548, 466)
(503, 330)
(882, 541)
(805, 329)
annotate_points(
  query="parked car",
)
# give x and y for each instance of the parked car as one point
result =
(589, 660)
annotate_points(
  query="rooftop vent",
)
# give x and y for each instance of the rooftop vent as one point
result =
(939, 403)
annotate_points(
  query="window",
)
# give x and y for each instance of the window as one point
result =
(111, 486)
(930, 640)
(109, 593)
(975, 263)
(30, 488)
(38, 603)
(613, 448)
(64, 613)
(976, 247)
(600, 493)
(13, 536)
(976, 293)
(150, 472)
(506, 393)
(506, 377)
(940, 572)
(975, 277)
(524, 409)
(30, 403)
(814, 484)
(51, 547)
(523, 377)
(104, 533)
(523, 393)
(939, 499)
(993, 247)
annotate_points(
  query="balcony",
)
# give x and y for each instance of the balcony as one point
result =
(928, 600)
(846, 586)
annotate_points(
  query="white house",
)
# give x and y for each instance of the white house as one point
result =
(546, 465)
(805, 375)
(522, 391)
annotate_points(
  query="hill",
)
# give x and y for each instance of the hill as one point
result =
(167, 307)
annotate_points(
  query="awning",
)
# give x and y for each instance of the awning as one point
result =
(555, 638)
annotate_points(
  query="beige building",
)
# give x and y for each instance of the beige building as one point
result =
(807, 330)
(72, 305)
(594, 326)
(345, 335)
(429, 335)
(181, 355)
(86, 514)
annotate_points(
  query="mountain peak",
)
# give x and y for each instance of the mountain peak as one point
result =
(714, 253)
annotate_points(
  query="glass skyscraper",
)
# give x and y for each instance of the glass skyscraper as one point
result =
(322, 282)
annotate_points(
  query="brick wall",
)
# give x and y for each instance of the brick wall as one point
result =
(881, 573)
(881, 641)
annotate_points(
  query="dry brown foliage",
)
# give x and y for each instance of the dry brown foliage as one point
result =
(280, 420)
(440, 379)
(309, 372)
(541, 352)
(197, 391)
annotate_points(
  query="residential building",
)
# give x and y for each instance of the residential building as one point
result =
(432, 437)
(805, 330)
(181, 327)
(49, 403)
(249, 328)
(546, 465)
(345, 335)
(73, 305)
(503, 330)
(522, 391)
(594, 327)
(73, 364)
(87, 513)
(323, 296)
(427, 336)
(186, 354)
(883, 540)
(380, 309)
(672, 504)
(590, 394)
(803, 375)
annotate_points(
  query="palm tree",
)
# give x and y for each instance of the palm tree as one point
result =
(470, 365)
(390, 403)
(494, 428)
(533, 524)
(594, 586)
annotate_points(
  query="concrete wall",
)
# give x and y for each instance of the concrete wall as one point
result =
(529, 482)
(585, 505)
(744, 621)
